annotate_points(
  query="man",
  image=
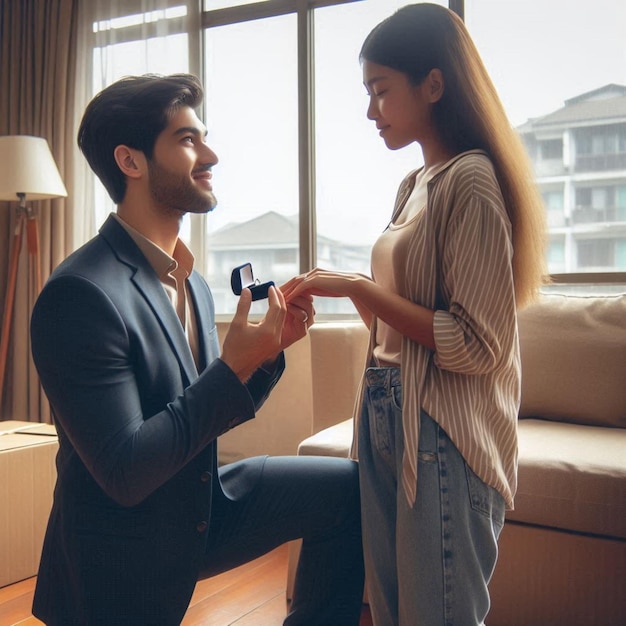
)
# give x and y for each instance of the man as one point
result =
(124, 339)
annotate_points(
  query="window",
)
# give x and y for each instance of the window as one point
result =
(599, 204)
(136, 43)
(252, 119)
(620, 203)
(553, 200)
(252, 115)
(356, 175)
(556, 253)
(599, 254)
(600, 148)
(304, 178)
(551, 149)
(210, 5)
(567, 96)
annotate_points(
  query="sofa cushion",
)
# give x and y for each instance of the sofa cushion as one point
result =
(572, 477)
(332, 441)
(573, 351)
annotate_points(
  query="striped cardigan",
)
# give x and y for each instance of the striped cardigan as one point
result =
(459, 264)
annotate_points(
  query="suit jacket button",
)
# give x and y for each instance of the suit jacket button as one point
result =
(201, 526)
(205, 477)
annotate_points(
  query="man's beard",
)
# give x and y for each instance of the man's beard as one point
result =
(176, 192)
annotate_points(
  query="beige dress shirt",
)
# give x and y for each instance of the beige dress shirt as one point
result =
(173, 273)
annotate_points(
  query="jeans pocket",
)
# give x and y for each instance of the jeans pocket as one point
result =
(484, 499)
(382, 416)
(396, 398)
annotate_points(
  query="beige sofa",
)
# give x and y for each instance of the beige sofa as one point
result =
(563, 550)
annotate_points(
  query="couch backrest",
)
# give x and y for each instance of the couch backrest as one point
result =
(286, 417)
(338, 352)
(573, 351)
(317, 390)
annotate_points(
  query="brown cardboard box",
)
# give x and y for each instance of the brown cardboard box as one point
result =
(13, 426)
(27, 477)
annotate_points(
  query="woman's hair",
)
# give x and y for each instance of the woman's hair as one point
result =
(132, 111)
(469, 115)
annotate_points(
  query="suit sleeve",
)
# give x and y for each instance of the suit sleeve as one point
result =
(121, 402)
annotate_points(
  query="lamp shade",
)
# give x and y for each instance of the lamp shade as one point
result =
(27, 166)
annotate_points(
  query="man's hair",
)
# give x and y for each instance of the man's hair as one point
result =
(133, 112)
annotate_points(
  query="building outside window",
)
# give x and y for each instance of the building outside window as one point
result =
(589, 183)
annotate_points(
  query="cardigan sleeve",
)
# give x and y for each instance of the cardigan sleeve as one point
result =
(474, 334)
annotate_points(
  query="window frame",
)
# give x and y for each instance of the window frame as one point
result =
(198, 22)
(306, 110)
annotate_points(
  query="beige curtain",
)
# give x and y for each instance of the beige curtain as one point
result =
(52, 59)
(123, 37)
(38, 76)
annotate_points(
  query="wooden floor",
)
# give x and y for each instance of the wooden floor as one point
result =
(251, 595)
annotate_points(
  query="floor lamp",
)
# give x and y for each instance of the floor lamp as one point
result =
(27, 170)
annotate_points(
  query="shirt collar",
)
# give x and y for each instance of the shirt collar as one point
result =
(161, 261)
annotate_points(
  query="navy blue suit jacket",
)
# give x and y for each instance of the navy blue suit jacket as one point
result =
(137, 424)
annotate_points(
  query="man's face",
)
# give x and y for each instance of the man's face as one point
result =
(180, 168)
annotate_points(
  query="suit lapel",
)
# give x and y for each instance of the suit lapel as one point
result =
(150, 287)
(152, 292)
(205, 319)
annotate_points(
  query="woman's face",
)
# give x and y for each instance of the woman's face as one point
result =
(402, 111)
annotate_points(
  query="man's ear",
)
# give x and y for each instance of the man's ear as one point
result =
(435, 85)
(131, 162)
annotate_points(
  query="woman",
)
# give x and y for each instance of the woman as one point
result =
(436, 428)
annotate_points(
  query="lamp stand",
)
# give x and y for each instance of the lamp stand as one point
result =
(25, 217)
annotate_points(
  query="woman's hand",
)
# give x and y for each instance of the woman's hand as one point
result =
(370, 299)
(325, 283)
(319, 282)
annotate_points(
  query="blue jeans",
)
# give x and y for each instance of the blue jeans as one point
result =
(428, 565)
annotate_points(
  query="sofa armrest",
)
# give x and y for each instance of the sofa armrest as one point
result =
(338, 352)
(286, 417)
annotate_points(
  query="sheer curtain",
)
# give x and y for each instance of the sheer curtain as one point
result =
(130, 37)
(54, 56)
(37, 66)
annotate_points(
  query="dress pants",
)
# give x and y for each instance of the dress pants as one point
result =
(264, 502)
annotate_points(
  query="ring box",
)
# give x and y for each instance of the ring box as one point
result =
(242, 277)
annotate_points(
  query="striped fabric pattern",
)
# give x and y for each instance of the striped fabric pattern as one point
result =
(460, 265)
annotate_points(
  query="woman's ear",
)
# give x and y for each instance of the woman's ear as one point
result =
(435, 85)
(130, 161)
